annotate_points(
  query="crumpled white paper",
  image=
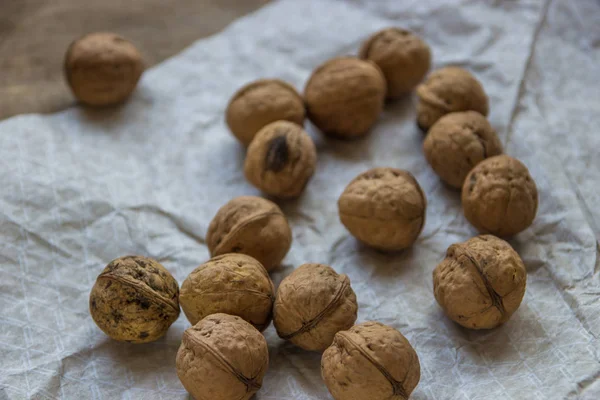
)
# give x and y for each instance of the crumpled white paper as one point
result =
(82, 187)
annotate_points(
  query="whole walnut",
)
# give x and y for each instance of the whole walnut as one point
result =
(370, 361)
(313, 303)
(233, 284)
(499, 196)
(259, 103)
(384, 208)
(404, 59)
(103, 68)
(345, 96)
(281, 159)
(457, 142)
(480, 283)
(134, 299)
(253, 226)
(222, 357)
(447, 90)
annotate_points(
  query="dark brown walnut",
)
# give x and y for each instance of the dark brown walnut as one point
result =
(344, 97)
(313, 303)
(222, 357)
(384, 208)
(370, 361)
(103, 68)
(253, 226)
(234, 284)
(259, 103)
(447, 90)
(403, 57)
(499, 196)
(281, 159)
(457, 142)
(134, 299)
(480, 283)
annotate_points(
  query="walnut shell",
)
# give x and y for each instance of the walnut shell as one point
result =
(457, 142)
(345, 96)
(313, 303)
(103, 68)
(261, 102)
(403, 57)
(384, 208)
(134, 299)
(447, 90)
(253, 226)
(281, 159)
(222, 357)
(233, 284)
(370, 361)
(499, 196)
(480, 283)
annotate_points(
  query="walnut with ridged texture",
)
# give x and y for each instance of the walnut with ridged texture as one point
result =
(480, 283)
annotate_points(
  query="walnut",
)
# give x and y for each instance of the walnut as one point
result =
(480, 283)
(281, 159)
(384, 208)
(499, 196)
(222, 357)
(259, 103)
(457, 142)
(233, 284)
(345, 96)
(313, 303)
(253, 226)
(134, 299)
(403, 57)
(103, 68)
(449, 90)
(370, 361)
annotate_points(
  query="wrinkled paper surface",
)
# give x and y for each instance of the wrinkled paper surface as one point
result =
(82, 187)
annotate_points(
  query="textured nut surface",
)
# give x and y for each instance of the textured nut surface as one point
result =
(403, 57)
(233, 284)
(281, 159)
(253, 226)
(103, 68)
(457, 142)
(313, 303)
(222, 357)
(345, 96)
(447, 90)
(134, 299)
(384, 208)
(261, 102)
(480, 283)
(499, 196)
(370, 361)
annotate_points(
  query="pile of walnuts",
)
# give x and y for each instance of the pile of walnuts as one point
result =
(230, 299)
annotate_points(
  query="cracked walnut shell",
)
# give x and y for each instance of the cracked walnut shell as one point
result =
(222, 357)
(403, 57)
(313, 303)
(480, 283)
(499, 196)
(134, 299)
(447, 90)
(261, 102)
(370, 361)
(345, 96)
(233, 284)
(281, 159)
(253, 226)
(384, 208)
(102, 68)
(457, 142)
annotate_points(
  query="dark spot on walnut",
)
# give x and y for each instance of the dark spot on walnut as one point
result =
(143, 302)
(93, 304)
(116, 316)
(143, 335)
(236, 249)
(108, 284)
(277, 154)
